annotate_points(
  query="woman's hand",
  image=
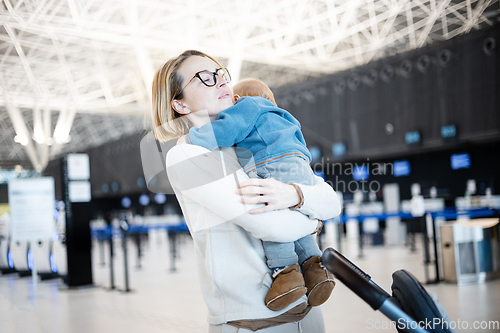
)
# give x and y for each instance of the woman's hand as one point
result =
(274, 194)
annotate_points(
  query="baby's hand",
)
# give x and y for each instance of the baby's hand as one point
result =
(182, 140)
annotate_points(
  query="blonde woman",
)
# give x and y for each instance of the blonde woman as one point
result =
(190, 91)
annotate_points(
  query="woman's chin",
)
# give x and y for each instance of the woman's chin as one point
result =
(226, 102)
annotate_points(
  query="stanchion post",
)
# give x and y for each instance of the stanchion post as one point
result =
(340, 232)
(173, 248)
(124, 226)
(360, 225)
(411, 233)
(111, 256)
(436, 255)
(34, 271)
(101, 251)
(425, 238)
(138, 242)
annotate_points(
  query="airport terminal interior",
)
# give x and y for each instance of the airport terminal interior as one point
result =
(399, 108)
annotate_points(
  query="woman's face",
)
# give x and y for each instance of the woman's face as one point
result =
(199, 97)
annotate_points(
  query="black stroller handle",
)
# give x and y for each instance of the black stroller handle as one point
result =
(361, 284)
(354, 278)
(348, 262)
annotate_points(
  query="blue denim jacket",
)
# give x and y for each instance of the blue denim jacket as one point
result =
(256, 124)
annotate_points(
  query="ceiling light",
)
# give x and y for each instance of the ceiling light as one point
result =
(18, 168)
(22, 139)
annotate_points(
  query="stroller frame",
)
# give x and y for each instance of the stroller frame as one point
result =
(362, 285)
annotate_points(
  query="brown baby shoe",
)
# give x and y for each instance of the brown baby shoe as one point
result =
(288, 286)
(319, 281)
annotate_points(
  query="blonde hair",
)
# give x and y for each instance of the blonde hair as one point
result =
(253, 87)
(167, 85)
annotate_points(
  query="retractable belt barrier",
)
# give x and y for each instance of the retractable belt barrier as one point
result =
(447, 214)
(108, 233)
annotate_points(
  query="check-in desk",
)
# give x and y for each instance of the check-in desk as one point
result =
(5, 256)
(471, 250)
(19, 251)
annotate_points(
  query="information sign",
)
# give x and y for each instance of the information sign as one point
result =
(31, 204)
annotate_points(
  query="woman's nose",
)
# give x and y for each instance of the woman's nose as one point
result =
(221, 82)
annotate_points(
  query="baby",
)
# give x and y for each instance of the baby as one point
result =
(279, 151)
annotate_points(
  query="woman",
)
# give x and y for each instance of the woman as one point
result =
(191, 90)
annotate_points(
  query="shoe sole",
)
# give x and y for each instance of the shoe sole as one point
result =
(321, 292)
(282, 301)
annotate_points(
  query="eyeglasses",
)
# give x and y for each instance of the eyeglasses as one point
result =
(209, 78)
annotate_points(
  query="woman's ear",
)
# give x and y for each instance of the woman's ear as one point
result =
(180, 107)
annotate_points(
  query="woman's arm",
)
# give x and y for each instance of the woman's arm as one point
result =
(208, 196)
(319, 201)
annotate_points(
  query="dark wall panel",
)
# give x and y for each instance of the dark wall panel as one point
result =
(54, 170)
(4, 193)
(459, 86)
(431, 169)
(117, 162)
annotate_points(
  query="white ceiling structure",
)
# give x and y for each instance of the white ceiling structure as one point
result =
(76, 73)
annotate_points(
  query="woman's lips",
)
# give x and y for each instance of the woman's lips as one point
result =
(225, 95)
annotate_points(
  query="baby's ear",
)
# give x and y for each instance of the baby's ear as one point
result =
(236, 97)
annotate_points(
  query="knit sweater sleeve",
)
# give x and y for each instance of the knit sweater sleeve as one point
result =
(232, 126)
(208, 197)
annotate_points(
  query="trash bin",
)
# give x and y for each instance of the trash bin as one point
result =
(470, 250)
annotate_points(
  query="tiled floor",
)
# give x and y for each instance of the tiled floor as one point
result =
(162, 301)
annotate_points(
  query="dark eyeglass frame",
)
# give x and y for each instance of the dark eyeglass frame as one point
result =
(215, 74)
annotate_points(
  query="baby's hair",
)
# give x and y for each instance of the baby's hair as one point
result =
(253, 87)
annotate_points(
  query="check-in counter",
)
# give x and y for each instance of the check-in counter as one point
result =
(471, 250)
(20, 258)
(45, 262)
(5, 256)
